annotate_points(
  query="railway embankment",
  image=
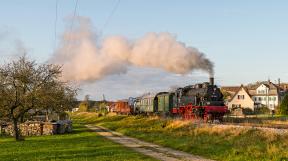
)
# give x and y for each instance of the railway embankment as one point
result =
(217, 142)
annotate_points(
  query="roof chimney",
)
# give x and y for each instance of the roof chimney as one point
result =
(279, 83)
(211, 79)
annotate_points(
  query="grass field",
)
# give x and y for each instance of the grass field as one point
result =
(79, 145)
(214, 143)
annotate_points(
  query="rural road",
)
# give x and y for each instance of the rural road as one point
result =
(152, 150)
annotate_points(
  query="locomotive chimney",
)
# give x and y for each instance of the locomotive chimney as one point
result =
(211, 81)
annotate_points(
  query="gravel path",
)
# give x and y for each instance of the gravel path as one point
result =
(153, 150)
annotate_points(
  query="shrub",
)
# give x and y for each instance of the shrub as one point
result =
(247, 111)
(103, 108)
(83, 107)
(283, 110)
(262, 110)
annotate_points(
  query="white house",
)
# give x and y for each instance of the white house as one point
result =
(264, 94)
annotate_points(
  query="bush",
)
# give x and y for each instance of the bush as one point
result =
(262, 110)
(283, 110)
(247, 111)
(103, 108)
(83, 107)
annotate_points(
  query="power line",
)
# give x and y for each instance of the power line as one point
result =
(55, 24)
(71, 26)
(74, 15)
(110, 15)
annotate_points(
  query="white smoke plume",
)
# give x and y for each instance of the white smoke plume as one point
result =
(86, 59)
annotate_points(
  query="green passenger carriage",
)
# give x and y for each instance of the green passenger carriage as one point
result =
(165, 102)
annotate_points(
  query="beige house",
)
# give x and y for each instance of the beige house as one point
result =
(258, 95)
(241, 99)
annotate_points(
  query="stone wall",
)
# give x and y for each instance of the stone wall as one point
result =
(39, 128)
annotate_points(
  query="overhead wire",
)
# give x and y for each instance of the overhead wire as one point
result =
(71, 26)
(55, 24)
(110, 16)
(74, 15)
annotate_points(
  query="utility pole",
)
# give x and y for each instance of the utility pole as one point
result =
(104, 98)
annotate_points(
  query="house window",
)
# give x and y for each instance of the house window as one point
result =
(260, 98)
(240, 97)
(274, 98)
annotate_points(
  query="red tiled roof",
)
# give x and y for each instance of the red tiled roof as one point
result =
(230, 88)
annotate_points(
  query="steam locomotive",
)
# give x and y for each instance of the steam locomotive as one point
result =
(200, 101)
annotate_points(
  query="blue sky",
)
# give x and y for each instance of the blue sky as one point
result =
(247, 40)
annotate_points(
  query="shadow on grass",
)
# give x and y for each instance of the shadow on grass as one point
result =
(79, 145)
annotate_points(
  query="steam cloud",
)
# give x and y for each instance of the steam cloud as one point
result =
(86, 59)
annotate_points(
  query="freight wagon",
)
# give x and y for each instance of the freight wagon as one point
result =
(122, 107)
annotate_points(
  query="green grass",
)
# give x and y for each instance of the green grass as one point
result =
(214, 143)
(82, 144)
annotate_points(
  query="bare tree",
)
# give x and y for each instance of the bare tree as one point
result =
(25, 85)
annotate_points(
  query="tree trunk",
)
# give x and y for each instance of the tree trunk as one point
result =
(22, 119)
(16, 130)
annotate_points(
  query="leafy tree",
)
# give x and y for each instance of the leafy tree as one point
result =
(103, 108)
(84, 105)
(26, 86)
(226, 94)
(284, 106)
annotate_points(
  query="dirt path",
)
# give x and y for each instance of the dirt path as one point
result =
(153, 150)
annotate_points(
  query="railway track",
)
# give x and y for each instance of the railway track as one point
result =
(274, 126)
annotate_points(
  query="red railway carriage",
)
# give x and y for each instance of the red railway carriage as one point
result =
(123, 107)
